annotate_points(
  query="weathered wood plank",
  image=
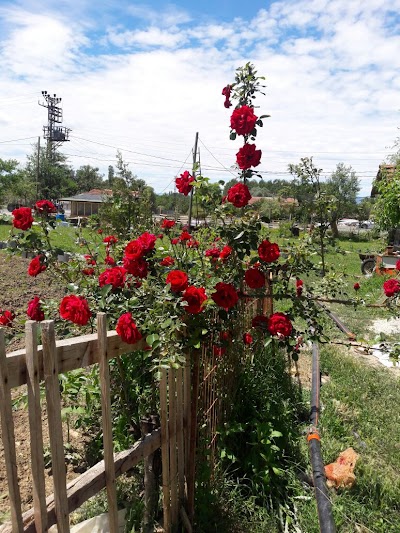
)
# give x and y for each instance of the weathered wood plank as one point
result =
(55, 424)
(165, 451)
(107, 423)
(35, 427)
(72, 353)
(7, 429)
(93, 481)
(173, 465)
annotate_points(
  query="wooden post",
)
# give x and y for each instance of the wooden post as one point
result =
(173, 467)
(193, 435)
(107, 423)
(50, 365)
(165, 452)
(8, 437)
(186, 414)
(179, 433)
(35, 426)
(151, 478)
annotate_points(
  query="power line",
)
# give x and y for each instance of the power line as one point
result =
(15, 140)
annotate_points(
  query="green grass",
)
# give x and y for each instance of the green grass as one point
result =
(360, 409)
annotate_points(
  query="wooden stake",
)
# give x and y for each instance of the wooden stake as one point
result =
(35, 426)
(165, 451)
(193, 435)
(50, 365)
(8, 437)
(107, 423)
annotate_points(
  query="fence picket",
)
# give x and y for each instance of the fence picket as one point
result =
(35, 426)
(173, 467)
(179, 433)
(107, 423)
(50, 365)
(7, 429)
(165, 451)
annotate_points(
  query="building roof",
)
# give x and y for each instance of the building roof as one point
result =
(93, 196)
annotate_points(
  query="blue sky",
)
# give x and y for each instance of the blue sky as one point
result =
(143, 78)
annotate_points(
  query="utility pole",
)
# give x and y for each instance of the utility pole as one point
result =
(38, 168)
(194, 175)
(54, 134)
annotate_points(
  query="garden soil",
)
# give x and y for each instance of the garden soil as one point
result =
(16, 289)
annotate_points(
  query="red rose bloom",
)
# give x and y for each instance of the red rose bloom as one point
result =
(134, 249)
(268, 251)
(218, 351)
(176, 240)
(260, 322)
(254, 278)
(212, 252)
(23, 218)
(6, 318)
(45, 206)
(247, 338)
(185, 236)
(391, 287)
(36, 266)
(147, 240)
(192, 243)
(239, 195)
(279, 324)
(113, 276)
(356, 286)
(35, 311)
(195, 299)
(226, 91)
(110, 261)
(167, 224)
(248, 156)
(299, 283)
(127, 329)
(137, 267)
(167, 261)
(398, 265)
(225, 252)
(89, 260)
(75, 309)
(243, 120)
(226, 295)
(88, 271)
(184, 183)
(100, 231)
(110, 239)
(178, 280)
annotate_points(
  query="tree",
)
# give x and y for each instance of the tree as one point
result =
(10, 176)
(87, 178)
(342, 186)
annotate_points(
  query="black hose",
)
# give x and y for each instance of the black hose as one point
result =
(324, 506)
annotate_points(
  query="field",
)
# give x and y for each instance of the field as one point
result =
(360, 399)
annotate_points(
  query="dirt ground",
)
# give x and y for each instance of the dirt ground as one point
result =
(16, 289)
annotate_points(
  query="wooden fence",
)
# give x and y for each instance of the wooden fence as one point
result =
(176, 437)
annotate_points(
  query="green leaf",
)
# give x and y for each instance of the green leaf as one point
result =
(150, 339)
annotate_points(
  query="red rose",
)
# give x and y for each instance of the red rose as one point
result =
(45, 206)
(167, 224)
(88, 271)
(167, 261)
(226, 295)
(127, 329)
(110, 239)
(110, 261)
(35, 311)
(239, 195)
(185, 236)
(22, 218)
(175, 241)
(89, 259)
(243, 120)
(225, 336)
(254, 278)
(268, 251)
(247, 338)
(279, 324)
(299, 283)
(134, 249)
(218, 351)
(75, 309)
(184, 183)
(113, 276)
(356, 286)
(260, 322)
(225, 252)
(226, 91)
(248, 156)
(100, 231)
(36, 266)
(398, 265)
(147, 240)
(137, 267)
(178, 280)
(6, 318)
(212, 252)
(391, 287)
(195, 299)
